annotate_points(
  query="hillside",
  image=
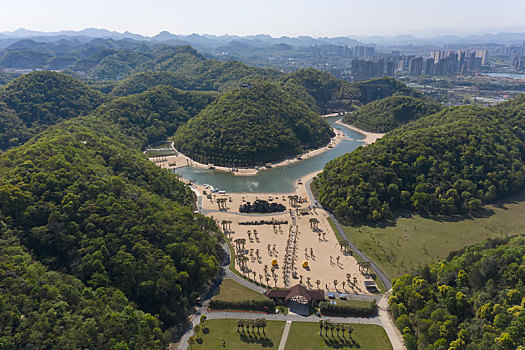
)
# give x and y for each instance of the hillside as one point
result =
(156, 114)
(41, 99)
(141, 82)
(324, 88)
(378, 88)
(250, 126)
(35, 300)
(89, 206)
(474, 300)
(391, 112)
(12, 131)
(446, 163)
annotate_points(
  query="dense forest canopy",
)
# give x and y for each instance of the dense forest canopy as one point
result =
(109, 231)
(446, 163)
(12, 130)
(41, 308)
(252, 125)
(391, 112)
(474, 300)
(41, 99)
(141, 82)
(155, 114)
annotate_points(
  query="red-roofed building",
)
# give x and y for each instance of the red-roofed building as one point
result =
(297, 293)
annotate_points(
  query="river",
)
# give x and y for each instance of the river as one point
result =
(276, 180)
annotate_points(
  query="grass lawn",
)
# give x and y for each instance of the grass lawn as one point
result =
(418, 241)
(377, 280)
(226, 330)
(229, 290)
(305, 336)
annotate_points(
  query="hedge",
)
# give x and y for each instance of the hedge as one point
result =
(248, 305)
(329, 309)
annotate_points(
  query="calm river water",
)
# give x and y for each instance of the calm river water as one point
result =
(276, 180)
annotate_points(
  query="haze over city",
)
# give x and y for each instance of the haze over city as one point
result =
(277, 18)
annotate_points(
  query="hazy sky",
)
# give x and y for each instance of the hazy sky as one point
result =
(274, 17)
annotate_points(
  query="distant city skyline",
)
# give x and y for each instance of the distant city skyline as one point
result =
(277, 18)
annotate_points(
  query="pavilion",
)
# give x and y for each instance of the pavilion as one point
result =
(297, 294)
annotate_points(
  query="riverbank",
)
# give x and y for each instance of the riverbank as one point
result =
(370, 137)
(181, 160)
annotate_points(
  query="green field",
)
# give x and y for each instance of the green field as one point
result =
(305, 336)
(417, 241)
(230, 291)
(225, 330)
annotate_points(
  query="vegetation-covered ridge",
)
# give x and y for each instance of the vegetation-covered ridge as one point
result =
(156, 114)
(446, 163)
(89, 206)
(391, 112)
(41, 99)
(250, 126)
(474, 300)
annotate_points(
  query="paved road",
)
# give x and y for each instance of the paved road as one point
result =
(286, 330)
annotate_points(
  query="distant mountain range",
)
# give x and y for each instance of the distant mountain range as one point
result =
(264, 40)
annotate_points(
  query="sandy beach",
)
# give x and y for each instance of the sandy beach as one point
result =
(370, 137)
(181, 160)
(315, 244)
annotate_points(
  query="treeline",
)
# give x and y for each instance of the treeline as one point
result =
(329, 309)
(446, 163)
(391, 112)
(474, 300)
(250, 126)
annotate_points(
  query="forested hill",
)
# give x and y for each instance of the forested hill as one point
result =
(474, 300)
(41, 99)
(446, 163)
(252, 125)
(156, 114)
(326, 89)
(391, 112)
(211, 75)
(378, 88)
(88, 206)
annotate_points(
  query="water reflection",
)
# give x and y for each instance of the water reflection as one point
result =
(275, 180)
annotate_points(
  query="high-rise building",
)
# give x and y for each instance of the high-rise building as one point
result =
(364, 51)
(390, 68)
(483, 55)
(415, 66)
(429, 66)
(365, 69)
